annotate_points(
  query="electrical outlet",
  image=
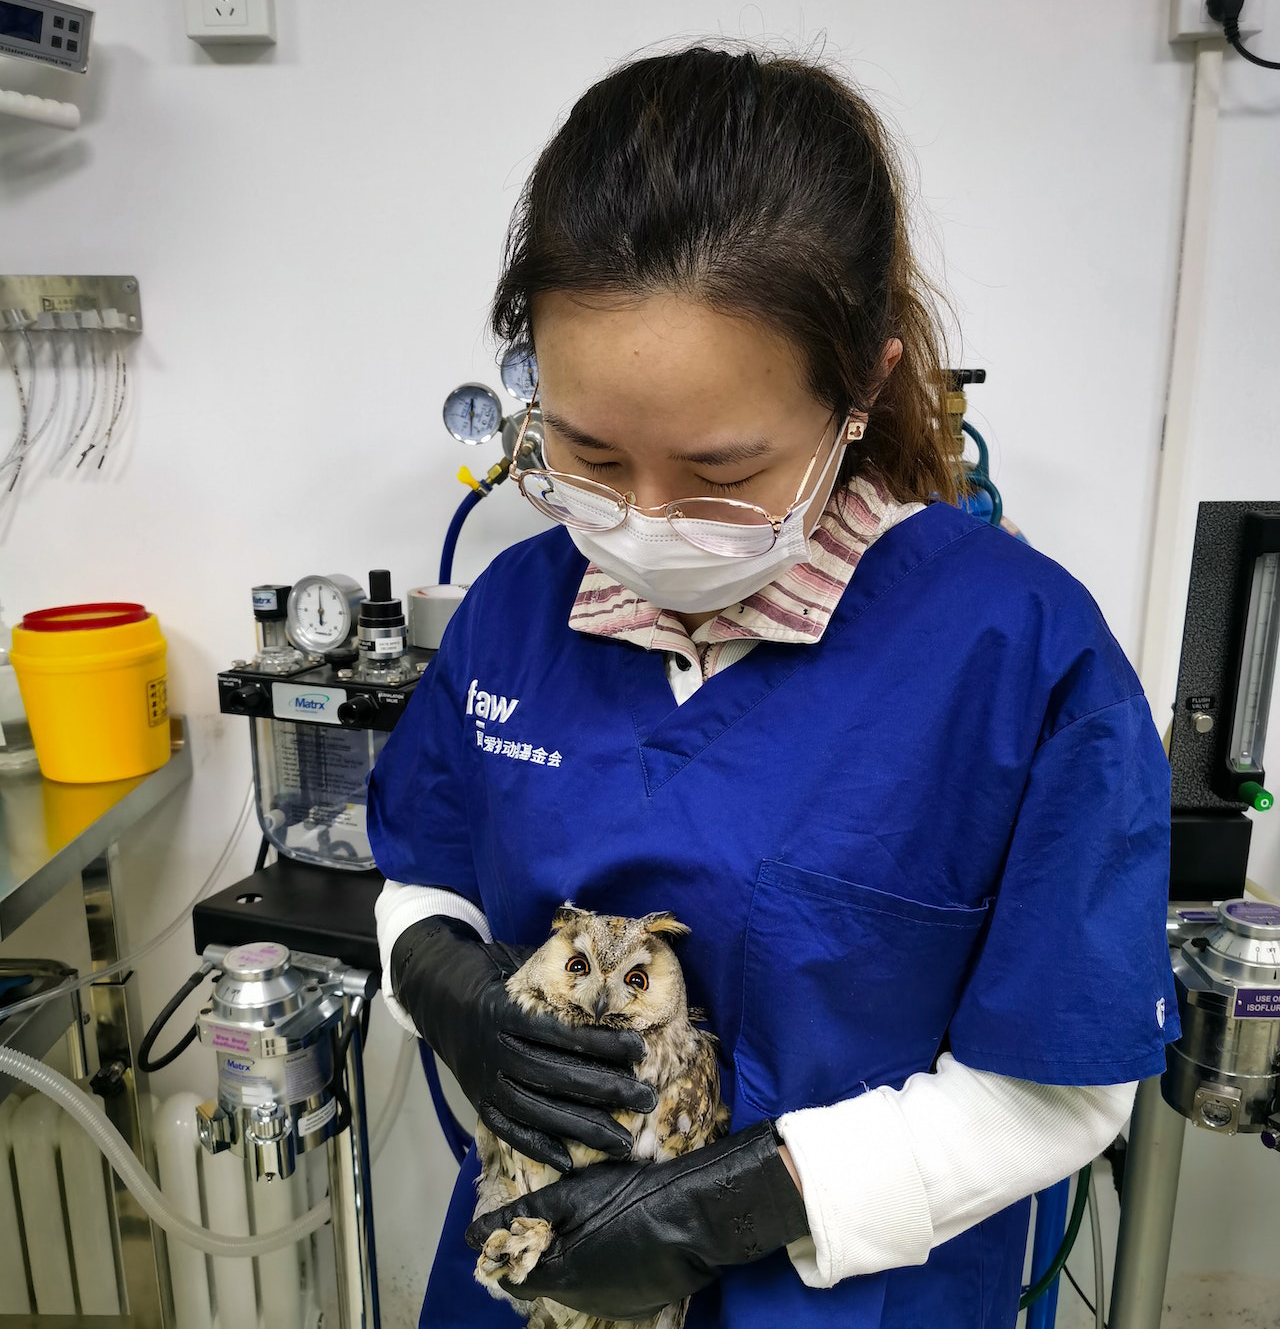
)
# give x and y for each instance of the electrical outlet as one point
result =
(1189, 20)
(225, 13)
(214, 22)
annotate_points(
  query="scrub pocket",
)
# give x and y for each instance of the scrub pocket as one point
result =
(845, 988)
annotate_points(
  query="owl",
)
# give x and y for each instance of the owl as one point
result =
(621, 973)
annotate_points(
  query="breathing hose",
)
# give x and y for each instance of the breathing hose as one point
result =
(112, 1145)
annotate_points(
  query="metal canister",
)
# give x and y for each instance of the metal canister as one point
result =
(1224, 1072)
(271, 1021)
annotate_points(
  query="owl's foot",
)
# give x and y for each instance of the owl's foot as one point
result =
(510, 1254)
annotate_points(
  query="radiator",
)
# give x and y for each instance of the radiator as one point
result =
(56, 1250)
(57, 1253)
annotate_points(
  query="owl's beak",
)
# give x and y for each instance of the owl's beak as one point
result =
(602, 1005)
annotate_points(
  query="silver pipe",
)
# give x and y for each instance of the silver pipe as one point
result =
(1151, 1171)
(350, 1189)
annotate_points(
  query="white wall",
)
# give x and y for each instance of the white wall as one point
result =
(316, 230)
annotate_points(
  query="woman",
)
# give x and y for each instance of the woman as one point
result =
(888, 763)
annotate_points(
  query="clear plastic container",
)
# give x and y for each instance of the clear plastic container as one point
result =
(17, 752)
(312, 784)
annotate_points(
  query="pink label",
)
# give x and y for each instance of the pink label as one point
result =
(266, 953)
(225, 1038)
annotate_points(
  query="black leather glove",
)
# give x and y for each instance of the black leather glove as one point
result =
(534, 1081)
(630, 1238)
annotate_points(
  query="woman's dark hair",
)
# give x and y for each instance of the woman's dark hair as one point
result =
(764, 187)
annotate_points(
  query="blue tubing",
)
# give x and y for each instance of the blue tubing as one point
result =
(980, 475)
(455, 529)
(981, 445)
(455, 1134)
(987, 485)
(1051, 1227)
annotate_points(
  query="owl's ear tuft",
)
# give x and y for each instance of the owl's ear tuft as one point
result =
(567, 914)
(666, 924)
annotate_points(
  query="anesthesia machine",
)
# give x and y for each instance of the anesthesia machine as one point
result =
(293, 946)
(1223, 1073)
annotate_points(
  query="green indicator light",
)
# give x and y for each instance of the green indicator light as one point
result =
(1256, 796)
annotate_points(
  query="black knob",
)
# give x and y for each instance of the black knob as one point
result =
(341, 657)
(109, 1080)
(358, 711)
(379, 584)
(247, 699)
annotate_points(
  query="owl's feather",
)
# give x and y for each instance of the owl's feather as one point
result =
(679, 1062)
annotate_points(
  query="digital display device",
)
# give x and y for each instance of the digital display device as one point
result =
(21, 21)
(54, 32)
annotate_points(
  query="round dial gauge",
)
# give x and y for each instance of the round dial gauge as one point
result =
(323, 612)
(520, 373)
(473, 413)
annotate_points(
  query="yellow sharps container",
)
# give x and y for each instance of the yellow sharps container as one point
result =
(94, 686)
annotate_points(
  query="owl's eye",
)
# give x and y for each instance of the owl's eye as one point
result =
(578, 965)
(637, 978)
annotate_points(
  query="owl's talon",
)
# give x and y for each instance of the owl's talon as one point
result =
(510, 1255)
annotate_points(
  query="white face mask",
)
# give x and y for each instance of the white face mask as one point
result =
(646, 556)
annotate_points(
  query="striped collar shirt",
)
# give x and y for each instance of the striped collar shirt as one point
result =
(796, 608)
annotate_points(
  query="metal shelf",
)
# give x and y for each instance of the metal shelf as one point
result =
(50, 832)
(36, 1031)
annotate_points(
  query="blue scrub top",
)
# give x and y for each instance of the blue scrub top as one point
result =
(944, 825)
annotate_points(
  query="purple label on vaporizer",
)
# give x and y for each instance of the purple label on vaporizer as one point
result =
(1257, 1003)
(1247, 911)
(233, 1042)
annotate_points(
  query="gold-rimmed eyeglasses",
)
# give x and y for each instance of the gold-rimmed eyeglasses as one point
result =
(726, 526)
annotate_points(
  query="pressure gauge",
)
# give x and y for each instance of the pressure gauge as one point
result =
(322, 612)
(520, 373)
(473, 413)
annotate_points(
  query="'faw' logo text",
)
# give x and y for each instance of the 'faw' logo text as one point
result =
(489, 706)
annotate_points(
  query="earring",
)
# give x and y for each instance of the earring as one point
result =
(855, 430)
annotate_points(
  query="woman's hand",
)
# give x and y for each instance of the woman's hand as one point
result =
(534, 1081)
(630, 1238)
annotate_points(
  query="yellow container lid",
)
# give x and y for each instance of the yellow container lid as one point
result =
(79, 635)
